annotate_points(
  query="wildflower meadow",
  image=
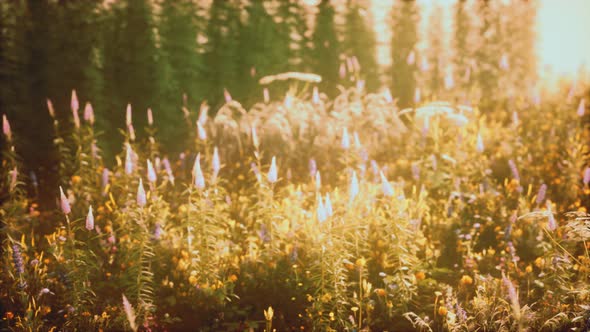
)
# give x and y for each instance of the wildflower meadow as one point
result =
(236, 165)
(309, 213)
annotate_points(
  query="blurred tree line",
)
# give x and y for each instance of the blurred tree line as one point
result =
(165, 54)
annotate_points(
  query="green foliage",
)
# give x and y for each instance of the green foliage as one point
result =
(359, 41)
(404, 21)
(326, 48)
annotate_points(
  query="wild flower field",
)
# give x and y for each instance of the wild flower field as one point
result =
(304, 213)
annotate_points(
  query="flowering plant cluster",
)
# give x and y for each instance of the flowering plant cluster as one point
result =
(308, 213)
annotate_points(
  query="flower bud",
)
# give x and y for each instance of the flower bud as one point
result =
(354, 187)
(89, 113)
(273, 172)
(216, 164)
(6, 128)
(141, 197)
(199, 179)
(90, 219)
(64, 202)
(345, 139)
(128, 115)
(151, 173)
(386, 186)
(150, 117)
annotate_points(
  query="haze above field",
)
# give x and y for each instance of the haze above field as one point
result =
(561, 26)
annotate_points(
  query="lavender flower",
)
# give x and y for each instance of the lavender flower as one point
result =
(65, 204)
(541, 194)
(342, 71)
(203, 113)
(514, 170)
(130, 313)
(357, 141)
(89, 113)
(216, 164)
(374, 168)
(387, 95)
(150, 117)
(17, 259)
(75, 106)
(288, 100)
(504, 62)
(266, 95)
(131, 132)
(201, 132)
(345, 139)
(199, 179)
(360, 85)
(479, 144)
(582, 107)
(157, 231)
(318, 181)
(417, 96)
(586, 178)
(551, 223)
(151, 173)
(255, 140)
(512, 295)
(168, 170)
(411, 59)
(6, 128)
(158, 164)
(50, 109)
(272, 172)
(328, 206)
(263, 233)
(129, 160)
(321, 211)
(313, 167)
(256, 171)
(128, 116)
(141, 197)
(90, 219)
(316, 96)
(354, 187)
(227, 96)
(386, 186)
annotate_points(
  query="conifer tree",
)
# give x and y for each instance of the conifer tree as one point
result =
(326, 48)
(259, 36)
(130, 64)
(221, 50)
(179, 28)
(180, 64)
(463, 53)
(293, 31)
(359, 40)
(435, 52)
(518, 43)
(405, 18)
(489, 51)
